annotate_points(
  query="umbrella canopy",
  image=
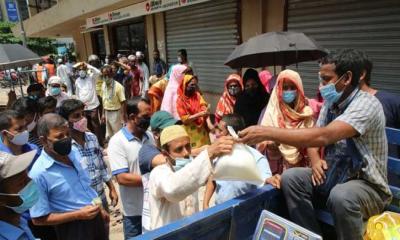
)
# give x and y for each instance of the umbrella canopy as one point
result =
(275, 48)
(15, 55)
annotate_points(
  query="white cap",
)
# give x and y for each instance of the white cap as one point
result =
(131, 57)
(55, 80)
(139, 54)
(59, 60)
(11, 165)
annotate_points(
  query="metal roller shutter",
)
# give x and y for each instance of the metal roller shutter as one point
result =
(369, 25)
(208, 31)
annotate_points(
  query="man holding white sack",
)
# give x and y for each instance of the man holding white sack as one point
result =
(225, 189)
(180, 176)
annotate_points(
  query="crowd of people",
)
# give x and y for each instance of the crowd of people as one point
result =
(92, 125)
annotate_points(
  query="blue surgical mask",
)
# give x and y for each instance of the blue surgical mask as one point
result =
(29, 196)
(329, 93)
(54, 91)
(289, 96)
(181, 162)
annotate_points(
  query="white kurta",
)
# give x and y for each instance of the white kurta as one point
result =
(168, 189)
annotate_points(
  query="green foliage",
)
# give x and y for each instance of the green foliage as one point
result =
(41, 46)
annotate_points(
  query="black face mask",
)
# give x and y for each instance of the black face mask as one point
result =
(190, 90)
(144, 123)
(252, 92)
(63, 146)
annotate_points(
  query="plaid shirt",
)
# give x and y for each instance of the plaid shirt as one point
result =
(92, 161)
(365, 114)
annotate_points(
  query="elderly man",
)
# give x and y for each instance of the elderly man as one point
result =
(166, 188)
(54, 90)
(351, 127)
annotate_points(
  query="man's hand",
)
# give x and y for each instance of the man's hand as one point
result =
(88, 212)
(114, 197)
(275, 181)
(318, 172)
(253, 135)
(221, 146)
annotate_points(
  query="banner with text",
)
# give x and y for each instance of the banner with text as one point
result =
(137, 10)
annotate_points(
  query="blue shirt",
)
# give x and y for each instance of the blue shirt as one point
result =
(11, 232)
(62, 188)
(25, 148)
(227, 190)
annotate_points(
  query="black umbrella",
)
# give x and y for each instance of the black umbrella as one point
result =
(15, 55)
(275, 48)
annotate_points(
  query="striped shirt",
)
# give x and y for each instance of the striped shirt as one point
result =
(92, 161)
(365, 114)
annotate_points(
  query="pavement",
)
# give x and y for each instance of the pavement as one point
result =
(4, 94)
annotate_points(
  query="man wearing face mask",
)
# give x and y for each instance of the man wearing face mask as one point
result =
(85, 90)
(66, 199)
(54, 90)
(88, 146)
(14, 134)
(35, 91)
(28, 108)
(171, 184)
(18, 193)
(123, 150)
(351, 128)
(113, 97)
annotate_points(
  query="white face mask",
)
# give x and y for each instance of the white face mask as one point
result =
(20, 138)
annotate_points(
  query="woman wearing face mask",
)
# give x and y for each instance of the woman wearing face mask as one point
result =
(170, 95)
(251, 102)
(233, 87)
(193, 111)
(287, 108)
(54, 90)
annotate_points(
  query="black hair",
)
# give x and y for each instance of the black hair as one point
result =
(235, 121)
(347, 60)
(183, 52)
(46, 102)
(35, 87)
(251, 74)
(368, 65)
(69, 106)
(7, 116)
(25, 105)
(48, 122)
(132, 105)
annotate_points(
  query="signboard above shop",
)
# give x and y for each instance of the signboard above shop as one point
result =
(137, 10)
(12, 13)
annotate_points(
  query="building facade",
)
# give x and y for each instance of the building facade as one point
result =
(210, 30)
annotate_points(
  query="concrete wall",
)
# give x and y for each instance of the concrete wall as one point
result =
(83, 45)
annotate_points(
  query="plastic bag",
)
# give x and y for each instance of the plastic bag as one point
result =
(383, 227)
(240, 165)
